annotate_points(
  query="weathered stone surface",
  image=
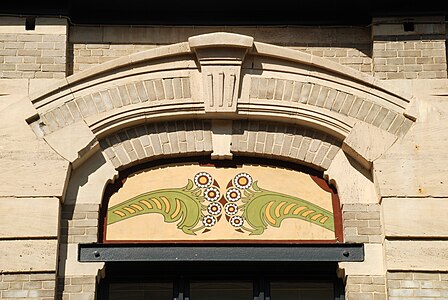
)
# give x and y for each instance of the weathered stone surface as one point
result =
(11, 90)
(417, 255)
(415, 217)
(36, 84)
(220, 39)
(28, 255)
(414, 164)
(70, 266)
(25, 158)
(366, 150)
(221, 139)
(352, 180)
(24, 178)
(71, 142)
(87, 183)
(373, 263)
(18, 213)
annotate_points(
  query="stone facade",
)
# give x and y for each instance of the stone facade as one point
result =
(27, 286)
(40, 53)
(366, 106)
(413, 285)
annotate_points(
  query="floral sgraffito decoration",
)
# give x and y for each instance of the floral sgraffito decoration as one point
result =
(200, 205)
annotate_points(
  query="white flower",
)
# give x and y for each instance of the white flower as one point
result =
(203, 179)
(209, 221)
(231, 209)
(242, 181)
(212, 194)
(236, 221)
(214, 208)
(233, 195)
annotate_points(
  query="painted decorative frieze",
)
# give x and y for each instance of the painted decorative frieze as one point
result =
(205, 203)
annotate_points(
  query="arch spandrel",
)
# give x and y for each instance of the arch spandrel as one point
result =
(217, 76)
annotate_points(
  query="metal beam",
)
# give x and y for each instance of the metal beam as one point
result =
(215, 253)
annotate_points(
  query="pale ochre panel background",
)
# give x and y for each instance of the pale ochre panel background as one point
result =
(152, 227)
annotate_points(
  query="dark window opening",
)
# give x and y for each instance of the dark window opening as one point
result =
(235, 281)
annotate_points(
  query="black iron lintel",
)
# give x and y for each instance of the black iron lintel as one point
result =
(223, 253)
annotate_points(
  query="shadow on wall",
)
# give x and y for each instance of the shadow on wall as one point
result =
(79, 217)
(92, 45)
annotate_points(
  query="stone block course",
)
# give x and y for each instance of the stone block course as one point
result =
(76, 287)
(44, 210)
(289, 142)
(115, 97)
(150, 141)
(409, 56)
(362, 223)
(411, 217)
(21, 53)
(417, 255)
(32, 255)
(80, 223)
(334, 100)
(29, 286)
(365, 287)
(417, 285)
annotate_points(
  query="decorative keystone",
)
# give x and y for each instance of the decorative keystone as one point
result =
(220, 56)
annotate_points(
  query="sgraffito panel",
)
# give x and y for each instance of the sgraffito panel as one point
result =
(193, 202)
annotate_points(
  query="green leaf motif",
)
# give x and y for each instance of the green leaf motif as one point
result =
(183, 205)
(263, 208)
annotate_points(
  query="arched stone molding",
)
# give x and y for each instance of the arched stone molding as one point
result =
(79, 223)
(215, 76)
(286, 142)
(141, 143)
(179, 101)
(138, 144)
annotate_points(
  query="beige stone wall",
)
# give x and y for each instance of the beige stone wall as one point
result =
(362, 223)
(366, 287)
(391, 183)
(27, 286)
(76, 288)
(421, 285)
(416, 54)
(38, 53)
(410, 59)
(29, 202)
(83, 56)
